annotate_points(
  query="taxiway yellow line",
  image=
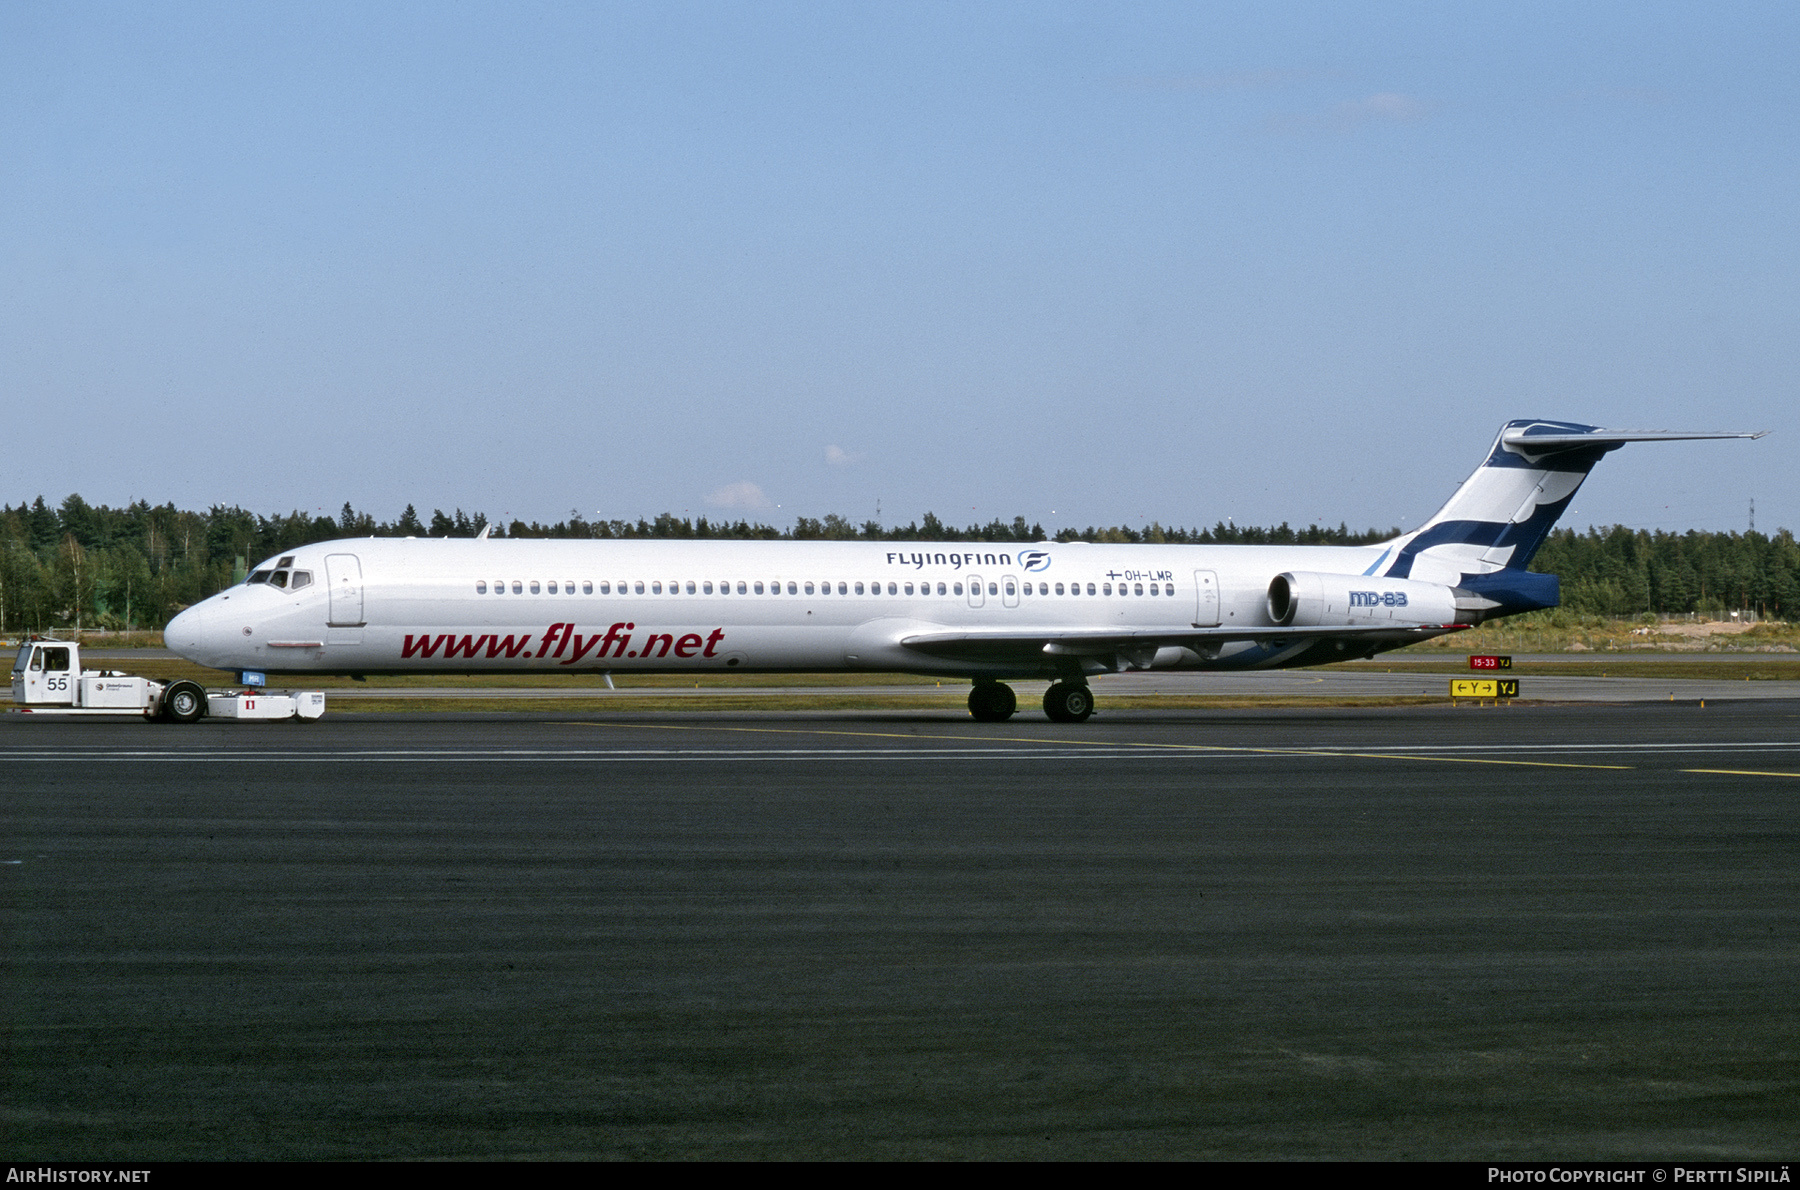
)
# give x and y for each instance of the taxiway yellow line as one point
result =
(1741, 773)
(900, 735)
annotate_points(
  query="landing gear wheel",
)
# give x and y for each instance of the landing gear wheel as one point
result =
(992, 702)
(1068, 702)
(184, 702)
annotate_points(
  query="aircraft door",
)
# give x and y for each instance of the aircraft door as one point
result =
(976, 598)
(344, 573)
(1206, 599)
(1009, 590)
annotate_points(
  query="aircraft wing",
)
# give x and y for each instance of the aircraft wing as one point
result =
(1021, 645)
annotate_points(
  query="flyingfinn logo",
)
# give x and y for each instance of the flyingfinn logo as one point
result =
(1034, 560)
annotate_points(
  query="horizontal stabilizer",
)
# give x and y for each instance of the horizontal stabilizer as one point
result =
(1545, 439)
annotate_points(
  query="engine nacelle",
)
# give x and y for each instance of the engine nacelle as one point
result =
(1306, 599)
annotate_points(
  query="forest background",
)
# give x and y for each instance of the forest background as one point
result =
(78, 565)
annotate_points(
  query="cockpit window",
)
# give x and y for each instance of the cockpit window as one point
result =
(302, 578)
(278, 579)
(287, 561)
(261, 576)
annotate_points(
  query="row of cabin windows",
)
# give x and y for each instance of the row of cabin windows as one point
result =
(567, 587)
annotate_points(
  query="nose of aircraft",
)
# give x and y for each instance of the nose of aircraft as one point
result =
(199, 634)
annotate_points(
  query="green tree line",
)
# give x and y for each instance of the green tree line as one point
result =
(91, 566)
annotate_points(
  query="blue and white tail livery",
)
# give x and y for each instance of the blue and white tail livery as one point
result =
(1485, 536)
(1047, 610)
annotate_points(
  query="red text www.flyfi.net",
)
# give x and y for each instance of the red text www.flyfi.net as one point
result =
(562, 644)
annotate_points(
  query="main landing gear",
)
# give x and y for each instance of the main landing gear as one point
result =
(1064, 702)
(992, 702)
(1068, 702)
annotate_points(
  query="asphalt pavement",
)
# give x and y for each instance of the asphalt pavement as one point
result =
(1407, 932)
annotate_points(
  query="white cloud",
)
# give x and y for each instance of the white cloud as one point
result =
(1382, 107)
(742, 495)
(837, 456)
(1235, 80)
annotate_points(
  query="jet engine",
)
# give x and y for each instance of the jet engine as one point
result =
(1306, 599)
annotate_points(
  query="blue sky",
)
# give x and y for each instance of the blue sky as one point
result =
(1187, 262)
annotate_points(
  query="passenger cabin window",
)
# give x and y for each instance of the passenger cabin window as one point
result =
(534, 586)
(518, 587)
(481, 586)
(553, 587)
(587, 587)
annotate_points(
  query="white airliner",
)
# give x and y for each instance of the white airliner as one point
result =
(1050, 610)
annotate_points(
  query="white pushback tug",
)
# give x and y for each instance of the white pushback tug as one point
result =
(47, 679)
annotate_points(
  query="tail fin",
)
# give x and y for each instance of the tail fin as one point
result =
(1501, 514)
